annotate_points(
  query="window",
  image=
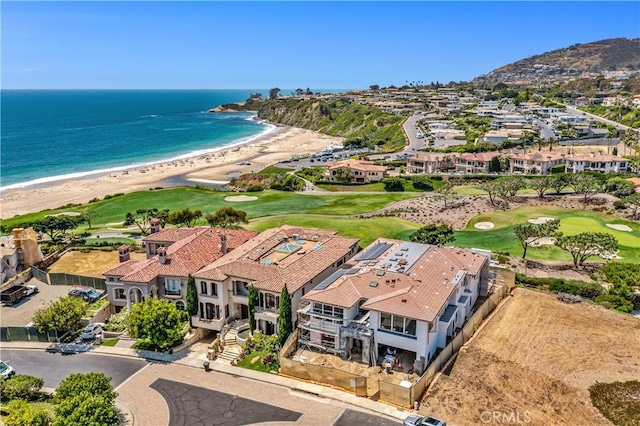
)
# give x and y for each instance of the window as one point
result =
(119, 293)
(210, 311)
(214, 289)
(317, 308)
(180, 305)
(172, 286)
(203, 287)
(270, 302)
(201, 310)
(338, 312)
(397, 324)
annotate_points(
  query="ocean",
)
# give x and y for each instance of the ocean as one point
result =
(49, 135)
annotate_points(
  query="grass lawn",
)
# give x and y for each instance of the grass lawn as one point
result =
(268, 203)
(256, 365)
(501, 238)
(110, 342)
(98, 241)
(366, 229)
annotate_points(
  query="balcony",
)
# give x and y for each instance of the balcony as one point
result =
(173, 294)
(266, 314)
(211, 324)
(316, 324)
(240, 299)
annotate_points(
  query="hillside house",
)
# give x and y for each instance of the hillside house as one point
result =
(475, 163)
(430, 162)
(394, 297)
(596, 163)
(539, 163)
(299, 258)
(172, 255)
(360, 171)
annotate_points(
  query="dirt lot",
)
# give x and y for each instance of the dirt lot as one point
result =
(91, 264)
(535, 360)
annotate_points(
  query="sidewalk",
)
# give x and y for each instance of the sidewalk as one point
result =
(221, 367)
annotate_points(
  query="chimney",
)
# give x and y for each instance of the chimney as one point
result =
(155, 225)
(124, 253)
(223, 244)
(296, 237)
(17, 237)
(592, 154)
(162, 255)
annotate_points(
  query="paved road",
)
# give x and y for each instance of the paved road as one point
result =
(54, 367)
(597, 118)
(410, 130)
(545, 130)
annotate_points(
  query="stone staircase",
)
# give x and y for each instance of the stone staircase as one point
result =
(231, 348)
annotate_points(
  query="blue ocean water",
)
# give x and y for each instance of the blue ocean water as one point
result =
(54, 134)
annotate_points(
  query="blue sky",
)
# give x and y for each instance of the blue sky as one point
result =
(322, 45)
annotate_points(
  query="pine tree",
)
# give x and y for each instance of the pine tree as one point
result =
(253, 301)
(192, 297)
(285, 325)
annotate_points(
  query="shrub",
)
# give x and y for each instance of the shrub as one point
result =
(578, 288)
(611, 301)
(23, 414)
(422, 183)
(22, 387)
(622, 273)
(619, 401)
(255, 188)
(118, 322)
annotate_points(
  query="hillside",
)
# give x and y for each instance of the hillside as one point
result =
(616, 54)
(358, 124)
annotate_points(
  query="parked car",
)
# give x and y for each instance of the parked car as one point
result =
(89, 295)
(6, 370)
(92, 331)
(423, 421)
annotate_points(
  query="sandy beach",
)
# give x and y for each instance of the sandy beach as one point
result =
(219, 167)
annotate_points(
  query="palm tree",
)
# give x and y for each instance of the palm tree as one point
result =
(629, 139)
(612, 132)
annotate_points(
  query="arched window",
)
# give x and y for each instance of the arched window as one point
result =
(180, 305)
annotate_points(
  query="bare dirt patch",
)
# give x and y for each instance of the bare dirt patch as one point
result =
(91, 264)
(240, 198)
(538, 355)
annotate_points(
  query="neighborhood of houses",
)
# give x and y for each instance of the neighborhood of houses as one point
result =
(391, 297)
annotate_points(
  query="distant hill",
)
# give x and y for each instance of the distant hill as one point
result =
(616, 54)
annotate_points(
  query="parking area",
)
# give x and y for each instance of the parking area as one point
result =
(20, 314)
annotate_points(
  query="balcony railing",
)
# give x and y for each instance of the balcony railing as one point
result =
(173, 293)
(211, 324)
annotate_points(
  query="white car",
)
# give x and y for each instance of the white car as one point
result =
(6, 370)
(31, 289)
(423, 421)
(92, 331)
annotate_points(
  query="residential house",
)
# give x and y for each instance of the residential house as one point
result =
(499, 136)
(362, 171)
(172, 255)
(475, 163)
(299, 258)
(394, 297)
(539, 163)
(430, 162)
(596, 163)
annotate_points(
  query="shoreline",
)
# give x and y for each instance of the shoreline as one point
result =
(217, 166)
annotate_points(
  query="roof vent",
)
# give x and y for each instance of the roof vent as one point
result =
(373, 284)
(404, 300)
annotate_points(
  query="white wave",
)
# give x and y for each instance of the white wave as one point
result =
(269, 128)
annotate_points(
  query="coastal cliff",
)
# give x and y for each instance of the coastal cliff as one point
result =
(231, 107)
(358, 124)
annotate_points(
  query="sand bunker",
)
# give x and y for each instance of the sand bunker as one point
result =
(543, 241)
(240, 198)
(541, 219)
(624, 228)
(65, 214)
(484, 225)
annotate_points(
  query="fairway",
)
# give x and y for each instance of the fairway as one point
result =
(502, 238)
(367, 230)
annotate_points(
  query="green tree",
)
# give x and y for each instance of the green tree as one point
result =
(560, 182)
(433, 234)
(273, 93)
(587, 244)
(90, 383)
(374, 87)
(157, 322)
(22, 386)
(422, 183)
(185, 217)
(56, 227)
(343, 175)
(393, 184)
(89, 216)
(85, 400)
(141, 218)
(586, 186)
(227, 217)
(631, 202)
(541, 184)
(64, 314)
(491, 187)
(285, 324)
(252, 297)
(446, 191)
(529, 233)
(620, 187)
(495, 165)
(629, 138)
(23, 414)
(192, 297)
